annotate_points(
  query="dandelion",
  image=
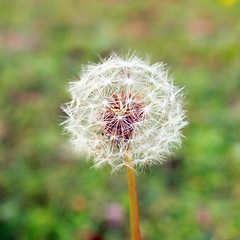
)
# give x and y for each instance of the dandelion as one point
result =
(227, 3)
(125, 112)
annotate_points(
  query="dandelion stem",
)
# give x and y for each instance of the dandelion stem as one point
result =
(133, 204)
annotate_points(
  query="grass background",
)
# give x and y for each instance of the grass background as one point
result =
(46, 192)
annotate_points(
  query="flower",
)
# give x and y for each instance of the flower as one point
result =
(122, 105)
(227, 2)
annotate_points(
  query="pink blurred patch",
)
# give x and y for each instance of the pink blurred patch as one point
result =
(18, 41)
(26, 97)
(199, 27)
(135, 27)
(114, 214)
(203, 217)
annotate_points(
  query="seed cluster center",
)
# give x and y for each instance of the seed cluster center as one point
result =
(120, 117)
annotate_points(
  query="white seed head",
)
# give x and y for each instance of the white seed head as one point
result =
(125, 103)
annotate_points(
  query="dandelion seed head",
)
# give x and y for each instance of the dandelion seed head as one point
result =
(125, 103)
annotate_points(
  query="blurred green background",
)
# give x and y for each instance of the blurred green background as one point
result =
(46, 192)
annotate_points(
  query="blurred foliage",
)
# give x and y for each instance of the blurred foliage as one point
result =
(46, 192)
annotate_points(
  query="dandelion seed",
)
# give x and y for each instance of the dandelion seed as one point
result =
(125, 112)
(125, 103)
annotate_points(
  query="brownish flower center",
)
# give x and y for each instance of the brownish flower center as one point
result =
(120, 117)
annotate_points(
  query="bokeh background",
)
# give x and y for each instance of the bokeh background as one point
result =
(47, 192)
